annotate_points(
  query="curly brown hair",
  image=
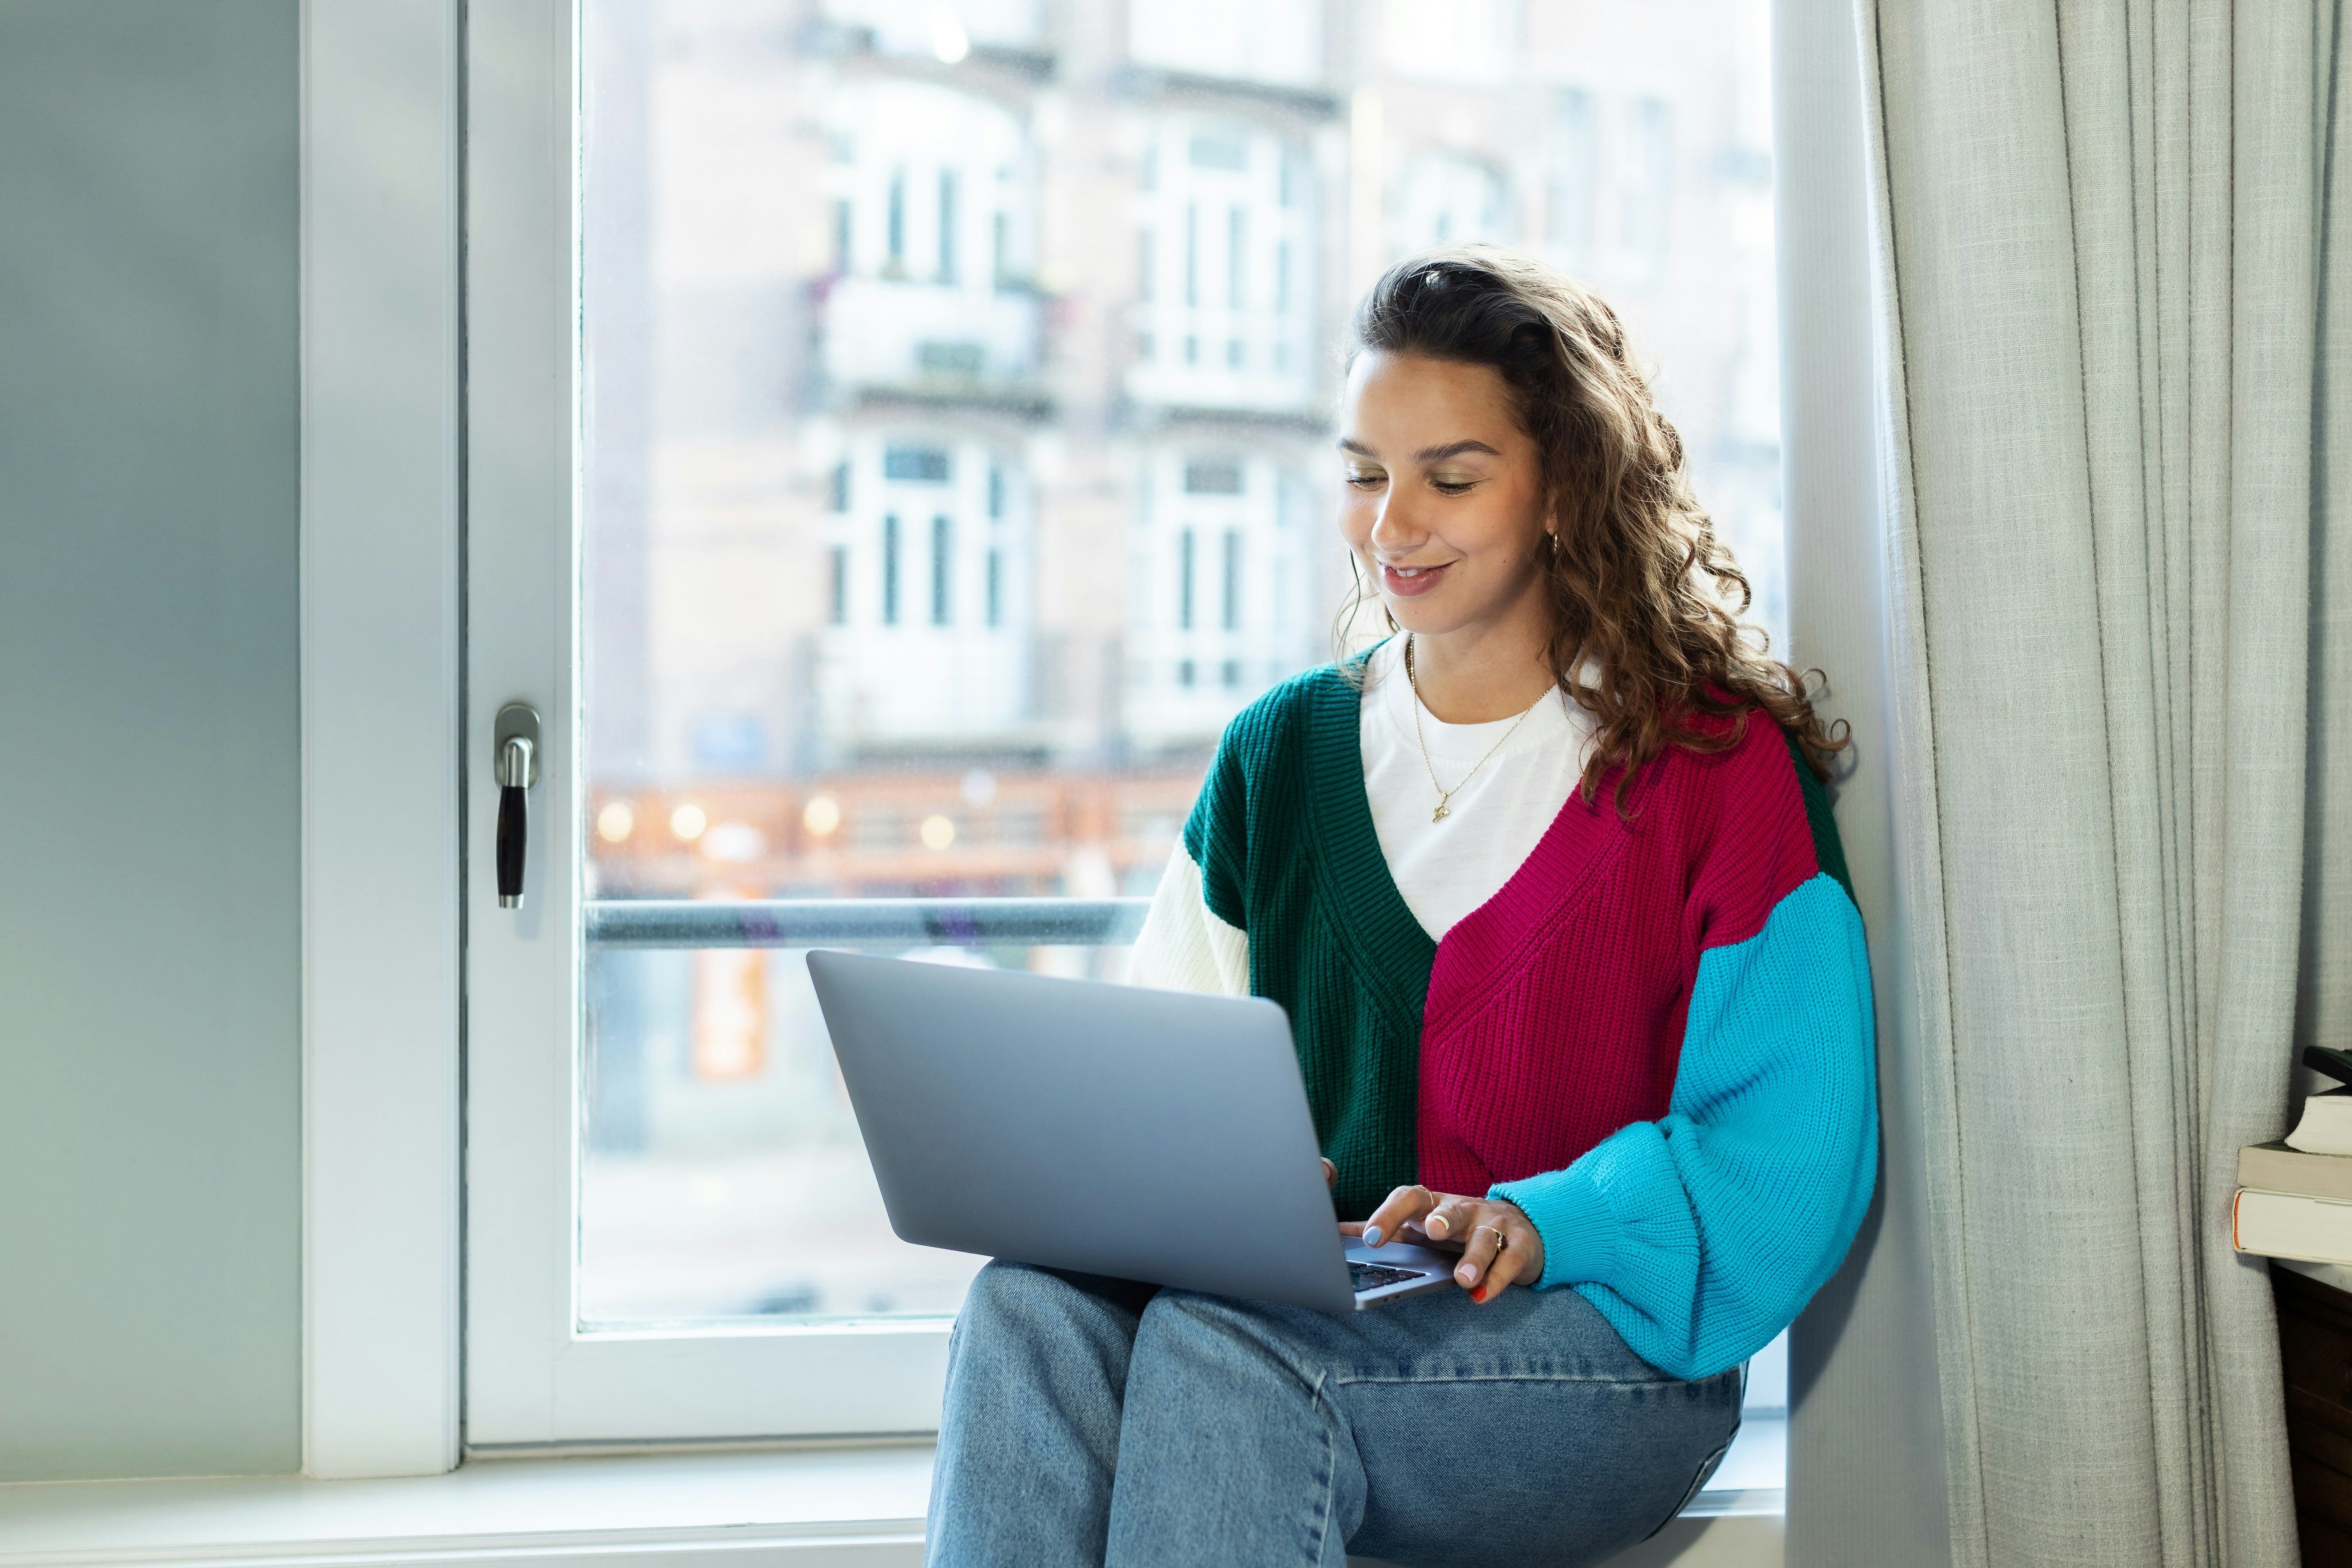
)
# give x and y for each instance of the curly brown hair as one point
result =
(1638, 584)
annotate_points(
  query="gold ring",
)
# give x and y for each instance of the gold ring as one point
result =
(1501, 1241)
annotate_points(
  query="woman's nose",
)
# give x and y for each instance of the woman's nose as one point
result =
(1395, 528)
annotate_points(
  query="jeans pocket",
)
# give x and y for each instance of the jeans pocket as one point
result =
(1706, 1467)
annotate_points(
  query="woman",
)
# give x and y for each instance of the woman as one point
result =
(1548, 885)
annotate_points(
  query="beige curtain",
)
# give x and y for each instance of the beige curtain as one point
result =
(2109, 251)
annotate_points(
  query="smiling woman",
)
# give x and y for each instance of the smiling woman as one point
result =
(1595, 1012)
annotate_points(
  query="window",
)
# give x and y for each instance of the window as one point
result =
(936, 668)
(924, 552)
(1224, 222)
(948, 226)
(1645, 188)
(941, 176)
(1449, 198)
(1230, 40)
(1575, 172)
(1207, 523)
(1184, 575)
(942, 570)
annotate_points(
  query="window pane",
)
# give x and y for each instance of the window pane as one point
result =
(958, 463)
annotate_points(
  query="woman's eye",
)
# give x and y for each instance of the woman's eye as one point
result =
(1452, 487)
(1366, 481)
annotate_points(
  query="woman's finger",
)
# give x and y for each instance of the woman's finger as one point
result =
(1482, 1241)
(1518, 1252)
(1513, 1252)
(1331, 1175)
(1400, 1209)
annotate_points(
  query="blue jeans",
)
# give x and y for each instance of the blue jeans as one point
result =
(1094, 1421)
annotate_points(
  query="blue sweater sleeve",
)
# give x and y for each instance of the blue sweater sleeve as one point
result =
(1701, 1235)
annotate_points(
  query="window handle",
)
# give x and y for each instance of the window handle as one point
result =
(516, 737)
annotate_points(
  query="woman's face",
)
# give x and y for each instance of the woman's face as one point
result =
(1444, 503)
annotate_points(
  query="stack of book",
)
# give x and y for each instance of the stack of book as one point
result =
(2294, 1197)
(2294, 1205)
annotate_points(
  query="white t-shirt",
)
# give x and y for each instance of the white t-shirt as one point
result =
(1447, 867)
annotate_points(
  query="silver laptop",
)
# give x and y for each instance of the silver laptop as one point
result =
(1154, 1135)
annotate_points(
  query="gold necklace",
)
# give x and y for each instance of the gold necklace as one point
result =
(1444, 795)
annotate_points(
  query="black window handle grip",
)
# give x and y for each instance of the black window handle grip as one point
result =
(514, 829)
(517, 757)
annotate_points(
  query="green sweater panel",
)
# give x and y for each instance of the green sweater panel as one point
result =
(1283, 835)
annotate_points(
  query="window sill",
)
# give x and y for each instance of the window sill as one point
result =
(836, 1508)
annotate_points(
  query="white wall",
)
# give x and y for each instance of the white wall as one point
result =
(150, 799)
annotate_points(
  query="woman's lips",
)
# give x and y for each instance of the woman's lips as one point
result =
(1410, 580)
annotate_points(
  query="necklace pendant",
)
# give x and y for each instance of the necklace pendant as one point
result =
(1441, 812)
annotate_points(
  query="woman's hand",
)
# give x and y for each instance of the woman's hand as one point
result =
(1499, 1247)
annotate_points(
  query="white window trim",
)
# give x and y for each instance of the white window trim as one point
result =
(379, 545)
(857, 1507)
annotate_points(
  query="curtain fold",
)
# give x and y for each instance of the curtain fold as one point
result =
(2101, 270)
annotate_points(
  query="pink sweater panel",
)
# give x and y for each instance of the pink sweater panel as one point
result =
(1555, 1009)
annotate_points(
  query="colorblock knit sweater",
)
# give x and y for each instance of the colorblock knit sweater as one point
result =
(1655, 1038)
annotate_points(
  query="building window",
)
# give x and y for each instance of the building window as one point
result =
(1448, 198)
(1184, 582)
(942, 569)
(996, 586)
(1575, 171)
(1233, 208)
(1645, 192)
(842, 245)
(1229, 154)
(947, 226)
(1236, 257)
(839, 487)
(838, 614)
(890, 570)
(895, 238)
(1213, 477)
(924, 465)
(1232, 595)
(1192, 254)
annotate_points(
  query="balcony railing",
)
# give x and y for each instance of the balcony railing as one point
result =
(863, 923)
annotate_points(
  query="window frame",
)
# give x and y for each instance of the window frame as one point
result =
(534, 1379)
(380, 542)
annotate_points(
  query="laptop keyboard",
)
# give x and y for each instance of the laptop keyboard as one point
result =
(1372, 1275)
